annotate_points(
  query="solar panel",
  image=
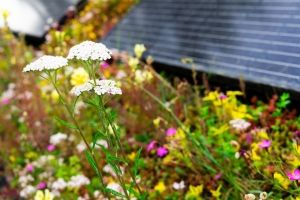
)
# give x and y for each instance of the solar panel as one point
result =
(257, 40)
(33, 17)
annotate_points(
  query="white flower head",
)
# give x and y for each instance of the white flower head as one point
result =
(57, 138)
(89, 50)
(239, 124)
(107, 87)
(81, 147)
(116, 187)
(179, 185)
(59, 184)
(77, 90)
(27, 191)
(46, 63)
(78, 181)
(249, 197)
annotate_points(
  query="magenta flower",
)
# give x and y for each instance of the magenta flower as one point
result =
(4, 101)
(218, 176)
(222, 96)
(50, 147)
(162, 152)
(42, 185)
(151, 145)
(29, 168)
(104, 65)
(265, 144)
(171, 131)
(295, 175)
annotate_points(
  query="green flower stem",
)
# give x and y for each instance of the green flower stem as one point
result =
(123, 154)
(71, 114)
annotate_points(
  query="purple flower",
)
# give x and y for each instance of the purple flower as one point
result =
(222, 96)
(162, 152)
(171, 131)
(151, 145)
(104, 65)
(4, 101)
(297, 133)
(42, 185)
(50, 147)
(265, 144)
(294, 175)
(218, 176)
(29, 168)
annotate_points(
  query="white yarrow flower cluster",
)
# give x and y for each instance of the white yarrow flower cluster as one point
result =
(59, 184)
(78, 181)
(27, 191)
(77, 90)
(101, 87)
(89, 50)
(179, 185)
(239, 124)
(57, 138)
(46, 63)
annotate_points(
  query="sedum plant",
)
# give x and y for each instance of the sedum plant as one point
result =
(95, 92)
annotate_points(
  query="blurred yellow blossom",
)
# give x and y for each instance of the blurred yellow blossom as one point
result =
(54, 96)
(141, 76)
(79, 76)
(194, 192)
(40, 195)
(139, 49)
(133, 62)
(132, 156)
(283, 181)
(156, 122)
(160, 187)
(216, 193)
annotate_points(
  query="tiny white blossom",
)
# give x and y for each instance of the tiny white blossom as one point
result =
(107, 87)
(78, 181)
(102, 143)
(108, 169)
(81, 147)
(239, 124)
(46, 63)
(89, 50)
(77, 90)
(57, 138)
(116, 187)
(27, 191)
(59, 184)
(249, 197)
(179, 185)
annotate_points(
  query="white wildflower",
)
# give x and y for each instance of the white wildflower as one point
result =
(57, 138)
(109, 170)
(116, 187)
(77, 90)
(78, 181)
(107, 86)
(59, 184)
(263, 196)
(46, 63)
(102, 143)
(81, 147)
(179, 185)
(27, 191)
(89, 50)
(249, 197)
(24, 180)
(239, 124)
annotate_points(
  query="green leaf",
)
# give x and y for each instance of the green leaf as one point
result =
(65, 123)
(137, 163)
(115, 193)
(92, 162)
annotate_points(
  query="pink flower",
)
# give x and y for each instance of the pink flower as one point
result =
(222, 96)
(171, 131)
(218, 176)
(295, 175)
(162, 152)
(42, 185)
(4, 101)
(265, 144)
(151, 145)
(29, 168)
(50, 147)
(104, 65)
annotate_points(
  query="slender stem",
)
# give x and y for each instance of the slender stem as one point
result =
(123, 154)
(79, 131)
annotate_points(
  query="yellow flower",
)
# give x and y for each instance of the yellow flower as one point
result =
(141, 76)
(194, 192)
(133, 62)
(40, 195)
(79, 76)
(5, 14)
(234, 93)
(160, 187)
(156, 122)
(31, 155)
(263, 134)
(132, 156)
(139, 49)
(216, 193)
(54, 96)
(283, 181)
(220, 130)
(254, 149)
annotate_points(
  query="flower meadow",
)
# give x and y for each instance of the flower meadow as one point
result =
(79, 120)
